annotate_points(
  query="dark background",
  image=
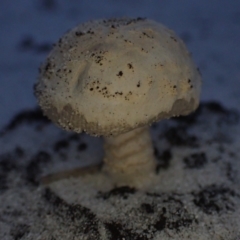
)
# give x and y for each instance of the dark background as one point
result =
(210, 28)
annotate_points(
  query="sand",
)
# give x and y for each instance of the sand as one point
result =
(194, 195)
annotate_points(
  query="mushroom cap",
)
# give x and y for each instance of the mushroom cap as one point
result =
(107, 77)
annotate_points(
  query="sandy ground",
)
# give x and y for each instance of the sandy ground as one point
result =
(194, 195)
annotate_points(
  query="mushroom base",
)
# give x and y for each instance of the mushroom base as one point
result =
(129, 158)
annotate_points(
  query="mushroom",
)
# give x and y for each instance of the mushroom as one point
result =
(114, 78)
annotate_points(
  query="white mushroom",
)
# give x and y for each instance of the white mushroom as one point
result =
(114, 78)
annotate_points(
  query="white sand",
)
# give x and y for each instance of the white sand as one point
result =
(195, 196)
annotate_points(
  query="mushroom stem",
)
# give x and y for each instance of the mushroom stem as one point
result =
(129, 157)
